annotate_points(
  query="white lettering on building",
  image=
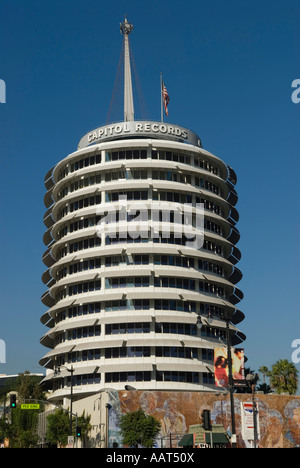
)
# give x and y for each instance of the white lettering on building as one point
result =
(146, 127)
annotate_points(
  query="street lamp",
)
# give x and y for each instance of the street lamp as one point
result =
(108, 407)
(231, 384)
(199, 322)
(57, 372)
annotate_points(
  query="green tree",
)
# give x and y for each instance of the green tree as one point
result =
(58, 424)
(28, 387)
(264, 388)
(58, 427)
(4, 428)
(4, 422)
(22, 432)
(284, 377)
(137, 428)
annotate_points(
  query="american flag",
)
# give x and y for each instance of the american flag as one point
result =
(166, 98)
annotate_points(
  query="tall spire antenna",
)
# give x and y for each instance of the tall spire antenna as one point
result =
(126, 29)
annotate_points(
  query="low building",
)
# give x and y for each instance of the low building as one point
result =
(197, 437)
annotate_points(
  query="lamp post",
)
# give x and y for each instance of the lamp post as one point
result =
(199, 322)
(57, 372)
(107, 406)
(231, 384)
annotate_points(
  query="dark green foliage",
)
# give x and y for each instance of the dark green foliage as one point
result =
(284, 377)
(22, 432)
(139, 429)
(58, 428)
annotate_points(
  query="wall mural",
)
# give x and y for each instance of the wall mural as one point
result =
(279, 416)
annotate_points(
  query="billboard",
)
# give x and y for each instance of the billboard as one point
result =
(221, 369)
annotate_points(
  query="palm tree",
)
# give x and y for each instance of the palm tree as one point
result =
(265, 388)
(264, 371)
(284, 377)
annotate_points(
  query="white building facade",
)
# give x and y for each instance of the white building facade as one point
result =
(128, 281)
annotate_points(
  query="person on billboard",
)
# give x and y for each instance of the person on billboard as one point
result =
(221, 372)
(238, 364)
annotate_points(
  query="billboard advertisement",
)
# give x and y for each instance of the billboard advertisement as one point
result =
(221, 369)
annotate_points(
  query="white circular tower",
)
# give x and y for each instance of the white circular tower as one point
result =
(141, 259)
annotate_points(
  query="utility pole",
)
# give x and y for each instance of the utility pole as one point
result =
(231, 384)
(71, 371)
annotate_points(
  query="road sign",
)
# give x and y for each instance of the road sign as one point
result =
(30, 406)
(248, 421)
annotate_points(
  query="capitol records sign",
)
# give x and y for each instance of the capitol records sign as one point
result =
(139, 129)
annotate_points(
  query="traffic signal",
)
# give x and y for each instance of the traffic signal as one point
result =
(13, 400)
(78, 431)
(205, 417)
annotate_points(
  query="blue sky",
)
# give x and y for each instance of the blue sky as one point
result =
(228, 67)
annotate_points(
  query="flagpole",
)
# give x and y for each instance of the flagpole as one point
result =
(161, 101)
